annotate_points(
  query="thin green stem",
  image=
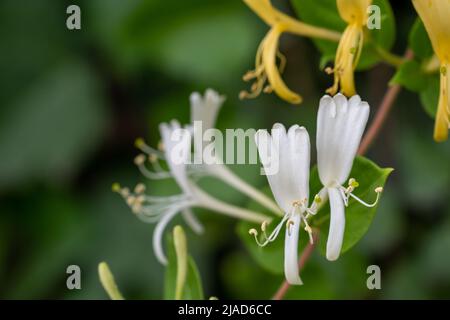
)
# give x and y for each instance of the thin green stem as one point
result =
(389, 57)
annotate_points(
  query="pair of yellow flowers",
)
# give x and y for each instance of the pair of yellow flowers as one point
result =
(434, 13)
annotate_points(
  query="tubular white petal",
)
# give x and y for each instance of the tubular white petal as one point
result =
(192, 221)
(291, 269)
(206, 108)
(340, 125)
(158, 235)
(337, 224)
(177, 148)
(299, 151)
(285, 158)
(228, 176)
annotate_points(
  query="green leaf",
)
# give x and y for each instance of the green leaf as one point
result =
(358, 217)
(427, 84)
(270, 257)
(419, 41)
(410, 76)
(430, 95)
(193, 289)
(324, 13)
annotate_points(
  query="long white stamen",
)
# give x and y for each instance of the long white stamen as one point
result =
(369, 205)
(156, 165)
(346, 193)
(273, 235)
(152, 175)
(141, 145)
(308, 229)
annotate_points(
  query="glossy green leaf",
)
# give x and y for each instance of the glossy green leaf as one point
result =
(193, 289)
(358, 217)
(419, 41)
(270, 257)
(410, 76)
(430, 95)
(324, 13)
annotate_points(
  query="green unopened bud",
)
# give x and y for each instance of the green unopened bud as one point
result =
(108, 283)
(180, 243)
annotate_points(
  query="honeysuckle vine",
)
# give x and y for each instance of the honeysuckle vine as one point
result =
(354, 13)
(435, 16)
(341, 121)
(175, 150)
(340, 125)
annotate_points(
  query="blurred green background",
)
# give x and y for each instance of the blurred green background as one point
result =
(72, 103)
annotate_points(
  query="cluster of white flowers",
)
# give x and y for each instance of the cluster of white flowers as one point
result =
(340, 125)
(175, 150)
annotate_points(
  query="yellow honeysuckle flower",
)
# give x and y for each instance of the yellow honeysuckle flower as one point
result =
(436, 18)
(354, 12)
(266, 68)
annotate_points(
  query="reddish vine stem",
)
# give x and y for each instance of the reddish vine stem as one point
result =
(385, 107)
(371, 134)
(281, 292)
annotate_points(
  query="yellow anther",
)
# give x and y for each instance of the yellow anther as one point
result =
(131, 200)
(329, 70)
(268, 89)
(264, 226)
(160, 146)
(125, 192)
(136, 208)
(248, 76)
(317, 199)
(139, 143)
(140, 188)
(353, 183)
(379, 189)
(289, 223)
(308, 229)
(152, 158)
(140, 199)
(115, 187)
(243, 94)
(140, 159)
(253, 232)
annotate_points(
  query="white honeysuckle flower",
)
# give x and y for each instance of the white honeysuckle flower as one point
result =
(206, 108)
(340, 125)
(289, 185)
(176, 145)
(204, 111)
